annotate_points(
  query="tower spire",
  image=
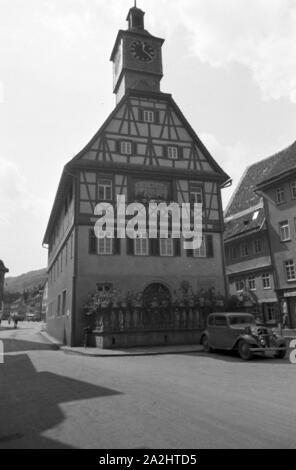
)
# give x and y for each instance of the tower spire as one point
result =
(135, 18)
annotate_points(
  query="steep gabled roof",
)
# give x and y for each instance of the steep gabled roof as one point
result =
(211, 168)
(244, 196)
(245, 224)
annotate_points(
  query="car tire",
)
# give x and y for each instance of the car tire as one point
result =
(205, 344)
(281, 354)
(244, 351)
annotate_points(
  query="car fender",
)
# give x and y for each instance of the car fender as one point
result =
(247, 338)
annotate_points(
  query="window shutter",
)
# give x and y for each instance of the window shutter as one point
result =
(141, 115)
(92, 246)
(156, 117)
(154, 247)
(209, 246)
(180, 153)
(116, 245)
(130, 246)
(117, 146)
(165, 151)
(134, 148)
(189, 253)
(177, 247)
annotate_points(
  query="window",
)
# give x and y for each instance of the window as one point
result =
(280, 195)
(141, 247)
(173, 153)
(252, 282)
(239, 285)
(104, 246)
(220, 321)
(64, 302)
(148, 116)
(285, 231)
(126, 147)
(290, 270)
(270, 312)
(293, 190)
(59, 306)
(266, 281)
(147, 190)
(258, 246)
(244, 250)
(71, 246)
(255, 215)
(196, 194)
(166, 247)
(233, 252)
(201, 252)
(104, 288)
(105, 190)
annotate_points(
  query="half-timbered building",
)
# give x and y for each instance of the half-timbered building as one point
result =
(145, 150)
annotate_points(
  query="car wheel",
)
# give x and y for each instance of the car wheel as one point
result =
(244, 351)
(281, 354)
(205, 343)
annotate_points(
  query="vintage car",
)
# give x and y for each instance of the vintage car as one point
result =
(239, 331)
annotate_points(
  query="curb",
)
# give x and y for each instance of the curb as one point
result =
(67, 350)
(57, 345)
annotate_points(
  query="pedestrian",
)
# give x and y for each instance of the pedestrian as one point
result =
(15, 323)
(285, 321)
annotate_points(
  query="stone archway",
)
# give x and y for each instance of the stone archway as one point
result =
(156, 294)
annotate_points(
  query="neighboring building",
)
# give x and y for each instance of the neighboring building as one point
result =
(145, 150)
(260, 236)
(44, 309)
(278, 189)
(3, 271)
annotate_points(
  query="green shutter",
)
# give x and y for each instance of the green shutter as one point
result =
(177, 246)
(117, 146)
(92, 245)
(130, 246)
(116, 246)
(154, 246)
(156, 116)
(141, 115)
(209, 246)
(134, 148)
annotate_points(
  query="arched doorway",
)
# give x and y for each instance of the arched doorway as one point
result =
(156, 294)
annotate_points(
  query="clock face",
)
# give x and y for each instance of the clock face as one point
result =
(142, 51)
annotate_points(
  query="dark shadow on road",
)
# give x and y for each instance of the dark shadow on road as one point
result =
(29, 402)
(20, 345)
(232, 356)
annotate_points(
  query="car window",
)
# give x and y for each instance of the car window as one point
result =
(220, 321)
(211, 321)
(241, 320)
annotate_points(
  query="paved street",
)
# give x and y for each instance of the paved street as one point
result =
(53, 399)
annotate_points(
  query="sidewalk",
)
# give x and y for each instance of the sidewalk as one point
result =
(136, 351)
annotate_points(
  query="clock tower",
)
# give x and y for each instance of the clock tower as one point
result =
(136, 57)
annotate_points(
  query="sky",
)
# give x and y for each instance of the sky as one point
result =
(229, 64)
